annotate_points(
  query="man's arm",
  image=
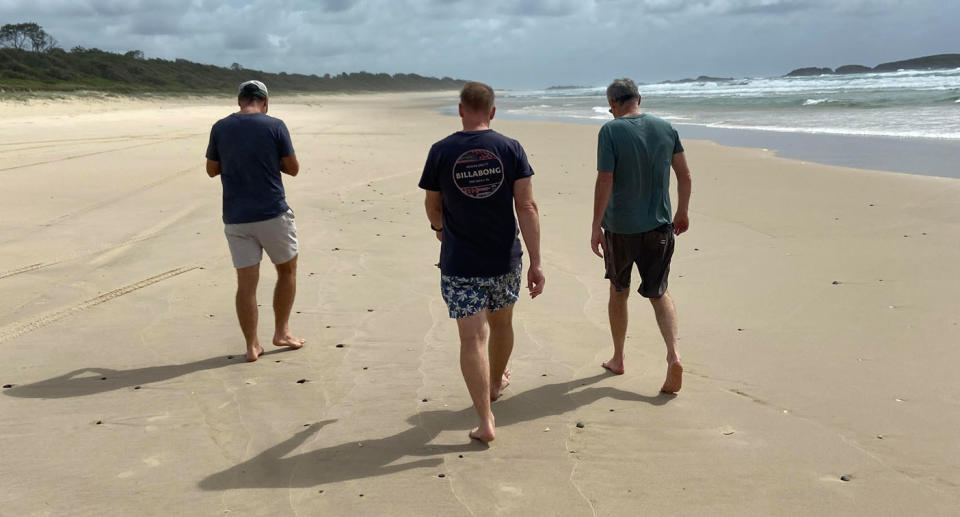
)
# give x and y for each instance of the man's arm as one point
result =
(601, 196)
(681, 220)
(290, 165)
(434, 206)
(213, 168)
(528, 217)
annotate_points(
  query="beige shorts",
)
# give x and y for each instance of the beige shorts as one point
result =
(247, 241)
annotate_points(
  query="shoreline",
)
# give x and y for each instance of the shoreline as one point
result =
(914, 156)
(918, 156)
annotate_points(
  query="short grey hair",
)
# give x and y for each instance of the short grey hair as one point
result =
(622, 91)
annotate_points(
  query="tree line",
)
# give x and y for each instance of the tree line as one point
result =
(31, 60)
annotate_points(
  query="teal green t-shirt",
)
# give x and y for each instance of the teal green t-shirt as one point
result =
(639, 151)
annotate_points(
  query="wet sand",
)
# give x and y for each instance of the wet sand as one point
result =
(818, 319)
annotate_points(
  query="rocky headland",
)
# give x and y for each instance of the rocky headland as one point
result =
(700, 79)
(934, 62)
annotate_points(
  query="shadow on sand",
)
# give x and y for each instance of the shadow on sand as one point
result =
(379, 456)
(90, 381)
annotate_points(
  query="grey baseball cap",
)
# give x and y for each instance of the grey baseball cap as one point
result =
(253, 88)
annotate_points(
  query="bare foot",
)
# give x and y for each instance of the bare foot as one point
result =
(615, 366)
(253, 353)
(288, 340)
(484, 433)
(674, 378)
(497, 390)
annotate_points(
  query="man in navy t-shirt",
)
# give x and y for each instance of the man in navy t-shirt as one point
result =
(474, 179)
(249, 150)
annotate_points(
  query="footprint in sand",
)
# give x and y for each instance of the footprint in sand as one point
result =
(512, 490)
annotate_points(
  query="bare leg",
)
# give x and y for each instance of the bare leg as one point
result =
(283, 296)
(617, 311)
(500, 348)
(667, 321)
(476, 370)
(247, 279)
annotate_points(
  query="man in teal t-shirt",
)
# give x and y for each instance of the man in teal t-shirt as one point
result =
(632, 216)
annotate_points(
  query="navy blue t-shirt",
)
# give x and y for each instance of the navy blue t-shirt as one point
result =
(249, 148)
(475, 171)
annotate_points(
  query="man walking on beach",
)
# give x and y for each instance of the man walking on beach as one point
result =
(474, 179)
(632, 220)
(249, 150)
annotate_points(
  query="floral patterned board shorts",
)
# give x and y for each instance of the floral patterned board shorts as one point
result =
(466, 296)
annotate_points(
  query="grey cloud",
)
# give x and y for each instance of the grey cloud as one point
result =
(132, 7)
(547, 7)
(711, 7)
(336, 6)
(245, 40)
(771, 7)
(158, 23)
(112, 8)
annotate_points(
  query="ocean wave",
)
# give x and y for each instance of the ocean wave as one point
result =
(931, 134)
(846, 103)
(919, 104)
(813, 87)
(816, 86)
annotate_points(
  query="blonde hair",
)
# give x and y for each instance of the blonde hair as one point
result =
(477, 96)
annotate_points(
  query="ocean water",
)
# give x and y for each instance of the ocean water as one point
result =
(904, 104)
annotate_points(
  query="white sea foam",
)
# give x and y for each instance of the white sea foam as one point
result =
(840, 131)
(909, 103)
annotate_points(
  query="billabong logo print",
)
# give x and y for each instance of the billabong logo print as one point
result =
(478, 173)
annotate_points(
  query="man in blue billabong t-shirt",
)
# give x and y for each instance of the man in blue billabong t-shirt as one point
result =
(474, 179)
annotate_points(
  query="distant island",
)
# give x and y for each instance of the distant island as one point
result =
(32, 62)
(935, 62)
(700, 79)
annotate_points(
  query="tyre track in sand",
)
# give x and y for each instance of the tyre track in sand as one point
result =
(18, 329)
(119, 197)
(76, 213)
(43, 265)
(95, 153)
(140, 237)
(32, 145)
(24, 269)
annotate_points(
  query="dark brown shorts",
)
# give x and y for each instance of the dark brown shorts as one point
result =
(650, 251)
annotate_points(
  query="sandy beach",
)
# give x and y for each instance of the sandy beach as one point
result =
(818, 307)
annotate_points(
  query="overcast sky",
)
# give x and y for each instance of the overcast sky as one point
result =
(508, 43)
